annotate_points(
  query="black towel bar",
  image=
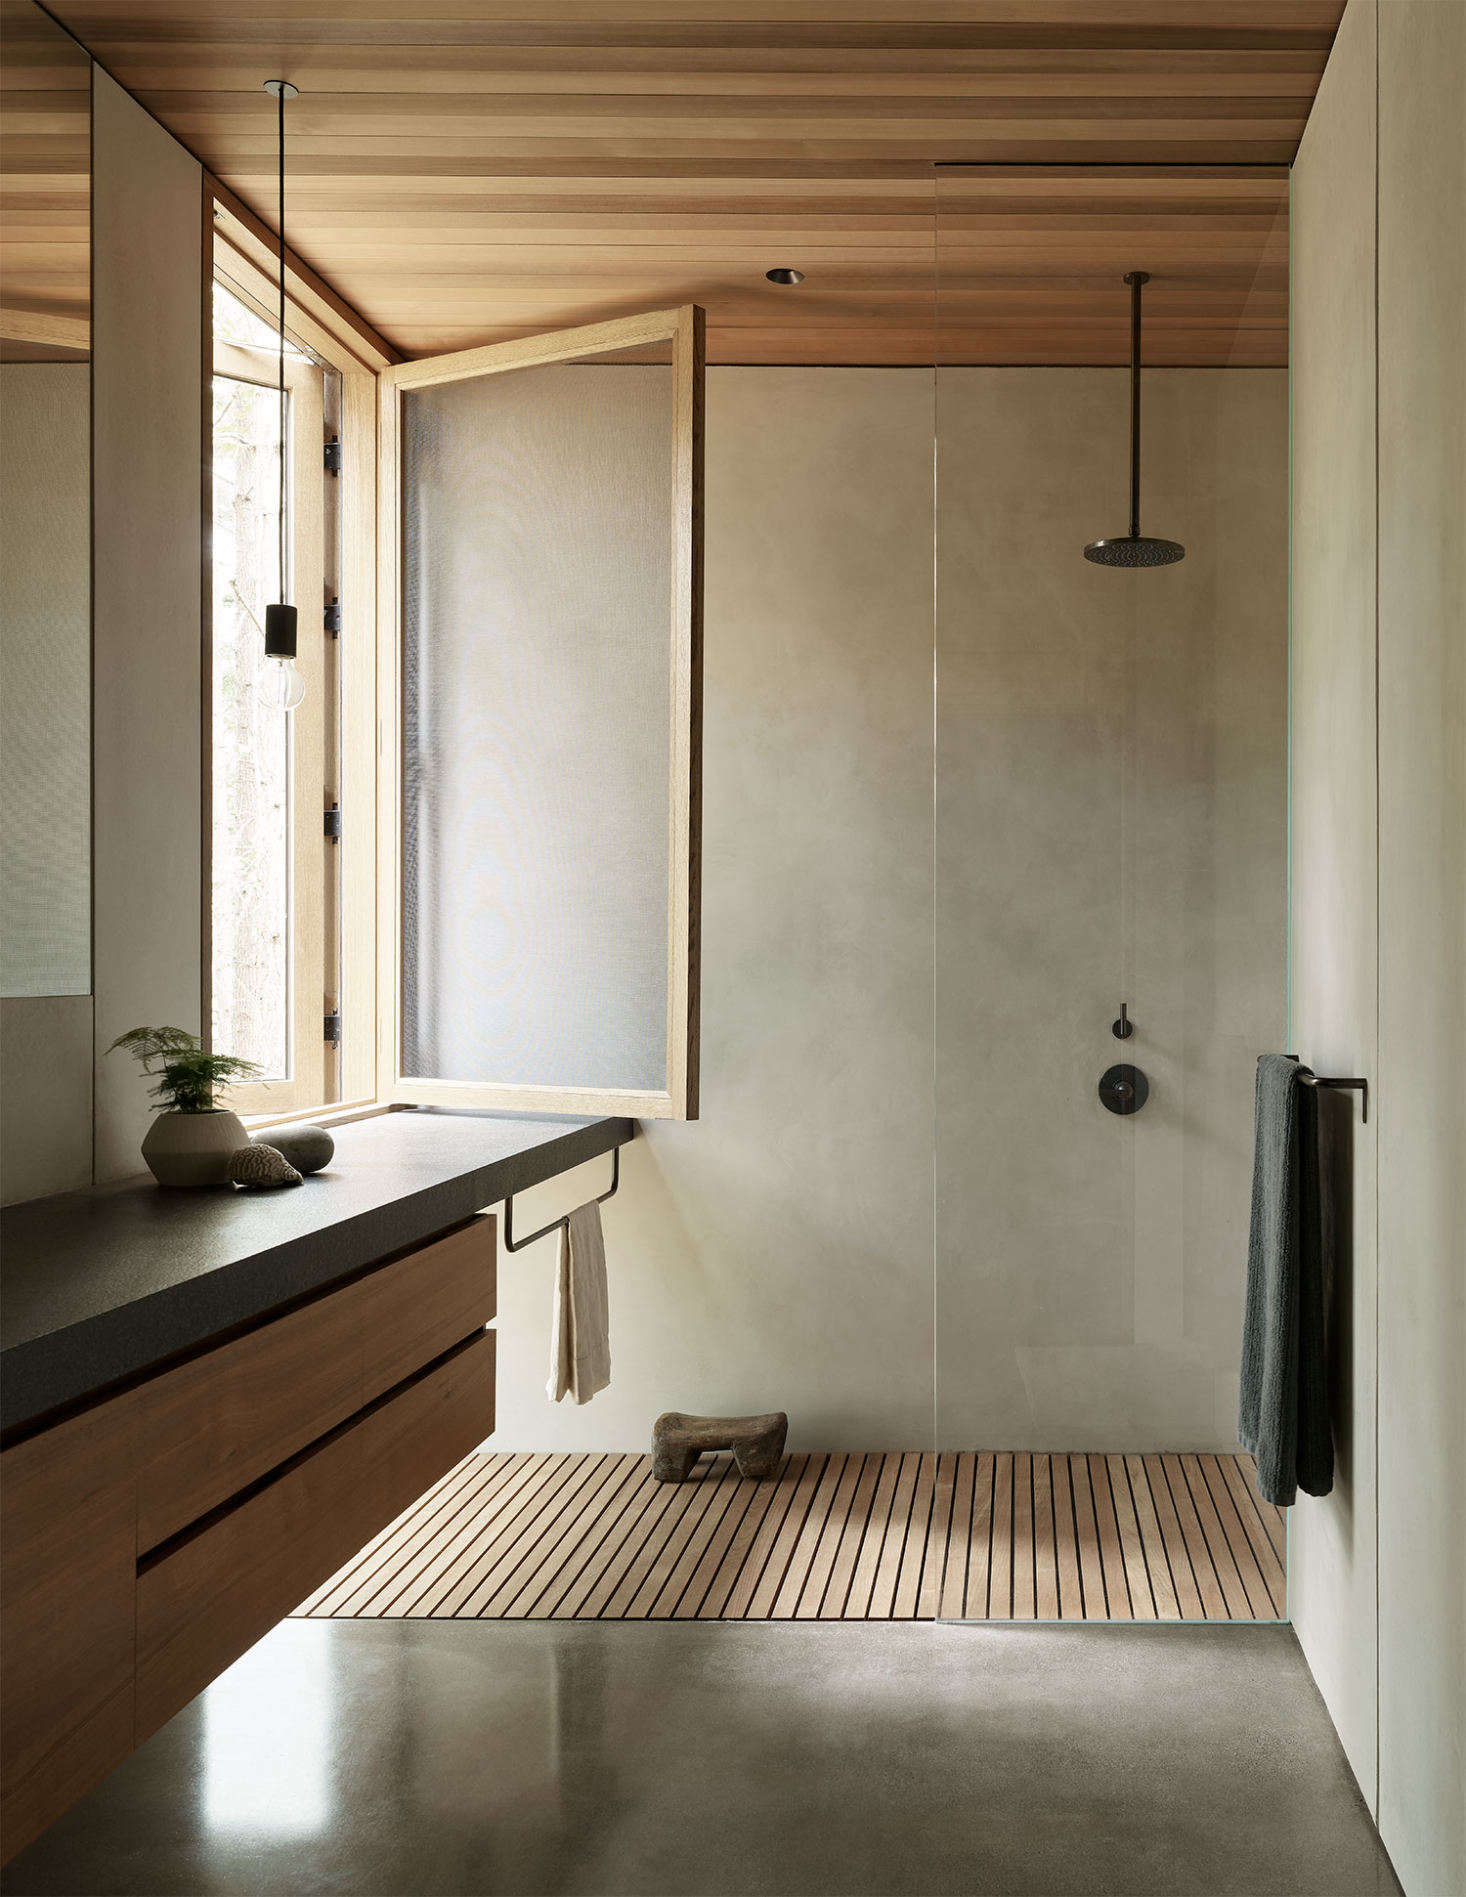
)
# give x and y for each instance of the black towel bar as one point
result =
(1361, 1087)
(513, 1244)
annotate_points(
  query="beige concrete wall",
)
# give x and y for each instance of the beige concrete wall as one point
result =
(1379, 908)
(1111, 803)
(1421, 1090)
(779, 1253)
(147, 260)
(45, 1095)
(1331, 1554)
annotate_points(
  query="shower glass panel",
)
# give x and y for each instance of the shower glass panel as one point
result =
(1110, 863)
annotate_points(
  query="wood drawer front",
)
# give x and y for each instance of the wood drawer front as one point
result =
(416, 1309)
(215, 1424)
(67, 1565)
(219, 1422)
(201, 1604)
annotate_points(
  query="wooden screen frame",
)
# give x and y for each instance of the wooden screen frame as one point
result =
(682, 329)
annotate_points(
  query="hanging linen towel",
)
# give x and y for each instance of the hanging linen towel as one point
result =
(1283, 1412)
(580, 1341)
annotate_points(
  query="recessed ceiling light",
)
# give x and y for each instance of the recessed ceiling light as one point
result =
(784, 274)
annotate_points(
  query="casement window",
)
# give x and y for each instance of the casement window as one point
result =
(291, 796)
(270, 778)
(540, 540)
(509, 918)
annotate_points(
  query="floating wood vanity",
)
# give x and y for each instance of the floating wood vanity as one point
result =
(167, 1497)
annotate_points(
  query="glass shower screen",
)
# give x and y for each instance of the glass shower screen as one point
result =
(547, 678)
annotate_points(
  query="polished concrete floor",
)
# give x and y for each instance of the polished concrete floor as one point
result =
(369, 1758)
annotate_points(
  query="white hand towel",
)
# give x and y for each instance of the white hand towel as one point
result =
(580, 1341)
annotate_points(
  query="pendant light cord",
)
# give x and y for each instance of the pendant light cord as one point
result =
(280, 144)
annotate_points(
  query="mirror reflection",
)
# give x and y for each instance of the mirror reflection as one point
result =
(45, 508)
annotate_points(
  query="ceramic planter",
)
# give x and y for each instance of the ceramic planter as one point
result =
(193, 1149)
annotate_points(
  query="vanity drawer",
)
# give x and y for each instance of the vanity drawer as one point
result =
(414, 1310)
(203, 1601)
(67, 1572)
(211, 1426)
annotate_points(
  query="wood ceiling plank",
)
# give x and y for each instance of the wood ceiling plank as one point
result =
(480, 71)
(1221, 23)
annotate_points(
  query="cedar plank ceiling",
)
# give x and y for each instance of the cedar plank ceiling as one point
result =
(463, 171)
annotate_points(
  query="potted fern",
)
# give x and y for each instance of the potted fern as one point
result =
(193, 1138)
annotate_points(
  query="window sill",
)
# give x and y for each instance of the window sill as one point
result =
(339, 1113)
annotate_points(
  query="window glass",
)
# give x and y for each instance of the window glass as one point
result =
(251, 737)
(537, 564)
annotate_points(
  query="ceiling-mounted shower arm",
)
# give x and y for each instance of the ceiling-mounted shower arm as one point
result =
(1134, 549)
(1135, 278)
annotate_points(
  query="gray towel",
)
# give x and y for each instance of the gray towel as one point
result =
(1283, 1413)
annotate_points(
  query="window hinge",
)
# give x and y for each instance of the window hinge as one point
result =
(333, 1030)
(333, 823)
(333, 618)
(333, 454)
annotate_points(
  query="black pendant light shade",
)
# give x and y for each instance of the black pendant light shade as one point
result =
(281, 624)
(1135, 548)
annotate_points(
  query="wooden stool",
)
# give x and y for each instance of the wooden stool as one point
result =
(678, 1440)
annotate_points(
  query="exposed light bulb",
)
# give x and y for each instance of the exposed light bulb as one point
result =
(281, 685)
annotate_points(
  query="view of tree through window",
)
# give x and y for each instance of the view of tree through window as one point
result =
(251, 739)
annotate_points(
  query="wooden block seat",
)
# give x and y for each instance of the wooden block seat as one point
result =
(678, 1440)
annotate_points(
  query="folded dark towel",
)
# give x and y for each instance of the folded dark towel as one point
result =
(1283, 1413)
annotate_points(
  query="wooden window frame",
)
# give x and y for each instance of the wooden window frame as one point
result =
(242, 265)
(305, 1084)
(682, 329)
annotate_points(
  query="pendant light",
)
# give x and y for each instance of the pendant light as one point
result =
(1135, 548)
(284, 687)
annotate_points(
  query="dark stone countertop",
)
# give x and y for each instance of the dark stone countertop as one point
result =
(97, 1286)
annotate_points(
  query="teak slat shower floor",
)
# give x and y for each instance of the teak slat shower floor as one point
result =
(834, 1537)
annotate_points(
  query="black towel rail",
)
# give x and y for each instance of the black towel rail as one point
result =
(513, 1244)
(1354, 1085)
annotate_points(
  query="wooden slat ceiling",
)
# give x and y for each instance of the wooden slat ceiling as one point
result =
(468, 170)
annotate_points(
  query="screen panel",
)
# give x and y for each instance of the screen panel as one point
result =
(545, 686)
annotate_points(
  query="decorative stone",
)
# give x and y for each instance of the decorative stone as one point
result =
(308, 1148)
(678, 1440)
(261, 1165)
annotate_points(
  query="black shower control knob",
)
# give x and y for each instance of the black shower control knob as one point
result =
(1123, 1089)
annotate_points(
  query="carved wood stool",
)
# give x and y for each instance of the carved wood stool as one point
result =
(678, 1440)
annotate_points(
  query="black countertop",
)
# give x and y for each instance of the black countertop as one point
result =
(100, 1285)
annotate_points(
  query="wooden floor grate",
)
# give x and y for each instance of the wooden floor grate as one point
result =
(891, 1536)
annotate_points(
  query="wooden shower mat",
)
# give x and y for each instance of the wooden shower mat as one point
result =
(835, 1537)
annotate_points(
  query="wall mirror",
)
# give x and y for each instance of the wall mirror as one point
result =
(45, 508)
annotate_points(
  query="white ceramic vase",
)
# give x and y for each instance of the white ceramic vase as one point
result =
(193, 1149)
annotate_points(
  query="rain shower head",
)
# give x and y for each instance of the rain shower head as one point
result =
(1135, 548)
